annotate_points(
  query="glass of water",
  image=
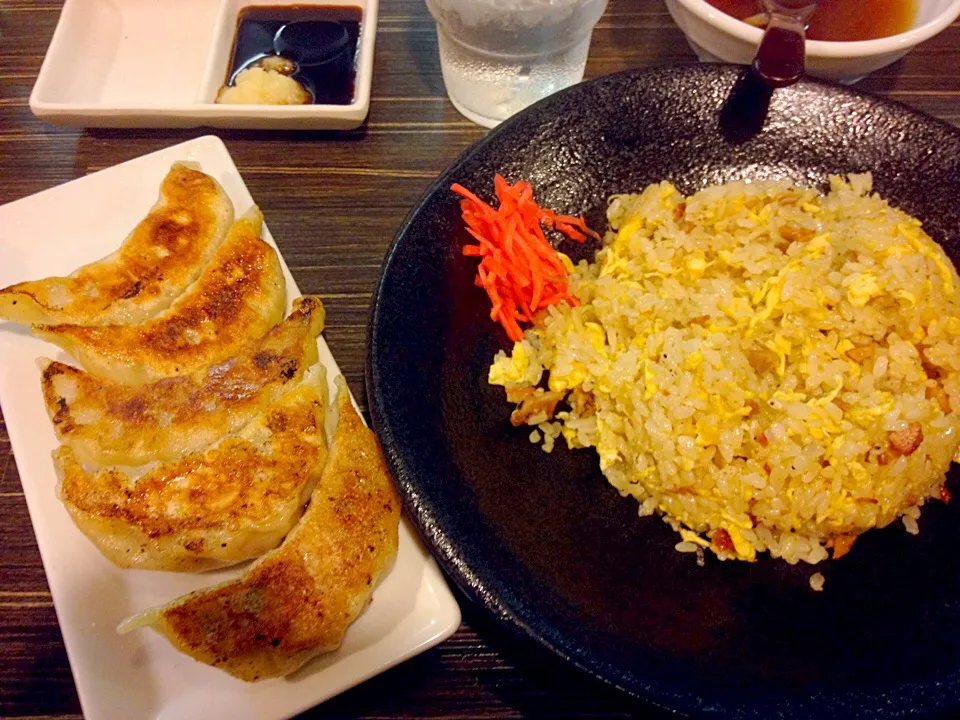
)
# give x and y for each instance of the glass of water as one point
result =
(499, 56)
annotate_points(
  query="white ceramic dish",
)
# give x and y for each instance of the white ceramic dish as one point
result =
(715, 36)
(140, 675)
(142, 63)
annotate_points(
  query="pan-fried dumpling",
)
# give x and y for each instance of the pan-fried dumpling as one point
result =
(108, 423)
(240, 296)
(298, 601)
(163, 255)
(233, 502)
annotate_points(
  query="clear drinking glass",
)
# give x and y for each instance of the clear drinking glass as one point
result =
(499, 56)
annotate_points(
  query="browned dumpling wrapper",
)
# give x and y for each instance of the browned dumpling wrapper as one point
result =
(163, 255)
(241, 295)
(232, 502)
(108, 423)
(298, 601)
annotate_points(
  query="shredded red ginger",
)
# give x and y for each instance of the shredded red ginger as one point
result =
(519, 269)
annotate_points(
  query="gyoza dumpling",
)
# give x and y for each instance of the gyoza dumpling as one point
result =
(240, 295)
(230, 503)
(108, 423)
(298, 601)
(163, 255)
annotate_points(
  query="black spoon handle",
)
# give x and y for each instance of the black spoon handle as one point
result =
(780, 59)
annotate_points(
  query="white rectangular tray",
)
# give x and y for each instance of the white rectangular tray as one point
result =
(150, 63)
(140, 675)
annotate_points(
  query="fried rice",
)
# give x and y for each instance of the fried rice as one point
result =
(768, 368)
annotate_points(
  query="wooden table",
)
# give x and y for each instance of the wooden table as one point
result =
(333, 202)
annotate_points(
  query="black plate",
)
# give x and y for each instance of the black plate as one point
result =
(542, 541)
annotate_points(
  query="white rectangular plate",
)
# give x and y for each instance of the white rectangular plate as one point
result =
(143, 63)
(140, 675)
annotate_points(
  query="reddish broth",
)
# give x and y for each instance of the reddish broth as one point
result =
(841, 19)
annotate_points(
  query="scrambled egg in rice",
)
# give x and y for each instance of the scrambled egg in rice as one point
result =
(768, 368)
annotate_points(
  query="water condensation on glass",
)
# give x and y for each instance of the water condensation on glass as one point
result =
(498, 56)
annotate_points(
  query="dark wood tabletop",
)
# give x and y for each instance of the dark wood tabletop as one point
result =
(333, 202)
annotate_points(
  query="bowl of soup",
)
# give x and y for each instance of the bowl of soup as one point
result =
(847, 39)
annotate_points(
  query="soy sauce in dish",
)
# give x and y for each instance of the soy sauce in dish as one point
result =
(843, 20)
(332, 82)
